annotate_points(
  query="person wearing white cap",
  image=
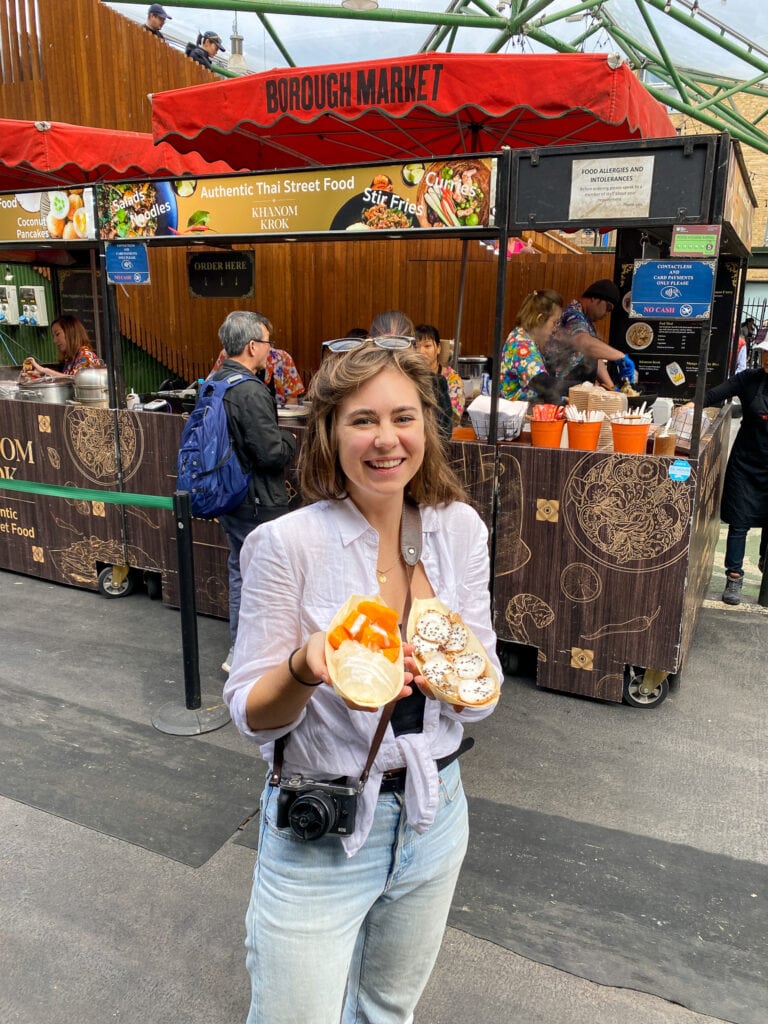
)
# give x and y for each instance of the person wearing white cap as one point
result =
(156, 18)
(744, 504)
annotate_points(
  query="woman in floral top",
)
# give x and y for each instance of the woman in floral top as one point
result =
(428, 343)
(71, 339)
(524, 376)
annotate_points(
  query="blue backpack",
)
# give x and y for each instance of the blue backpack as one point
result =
(207, 464)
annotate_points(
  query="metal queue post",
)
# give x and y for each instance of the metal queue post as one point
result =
(193, 718)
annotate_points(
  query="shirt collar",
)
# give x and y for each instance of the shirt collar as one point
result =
(353, 524)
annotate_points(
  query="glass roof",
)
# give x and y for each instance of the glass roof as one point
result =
(683, 49)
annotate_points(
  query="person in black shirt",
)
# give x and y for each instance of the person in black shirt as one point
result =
(207, 46)
(156, 18)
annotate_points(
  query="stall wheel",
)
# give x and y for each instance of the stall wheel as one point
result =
(645, 687)
(115, 581)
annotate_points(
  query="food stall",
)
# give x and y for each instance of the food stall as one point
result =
(600, 559)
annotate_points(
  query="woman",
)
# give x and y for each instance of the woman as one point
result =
(428, 343)
(71, 339)
(394, 323)
(745, 490)
(207, 46)
(524, 376)
(330, 921)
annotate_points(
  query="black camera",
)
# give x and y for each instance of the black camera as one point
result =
(315, 809)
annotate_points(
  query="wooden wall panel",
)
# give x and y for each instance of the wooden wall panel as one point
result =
(316, 290)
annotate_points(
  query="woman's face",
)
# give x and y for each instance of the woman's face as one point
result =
(60, 339)
(380, 437)
(427, 348)
(542, 332)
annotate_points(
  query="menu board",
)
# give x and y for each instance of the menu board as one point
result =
(666, 352)
(455, 193)
(65, 214)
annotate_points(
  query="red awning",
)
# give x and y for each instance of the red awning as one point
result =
(432, 104)
(45, 154)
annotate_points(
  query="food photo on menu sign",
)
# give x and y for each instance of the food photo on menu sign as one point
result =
(448, 193)
(63, 213)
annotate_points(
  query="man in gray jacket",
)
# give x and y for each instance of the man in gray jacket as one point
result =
(261, 445)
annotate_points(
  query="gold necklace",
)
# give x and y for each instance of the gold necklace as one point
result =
(381, 574)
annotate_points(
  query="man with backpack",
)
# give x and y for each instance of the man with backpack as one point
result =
(260, 444)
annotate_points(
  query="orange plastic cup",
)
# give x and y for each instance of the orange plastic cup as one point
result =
(583, 435)
(630, 438)
(546, 433)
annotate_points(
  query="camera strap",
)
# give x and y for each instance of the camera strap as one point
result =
(410, 549)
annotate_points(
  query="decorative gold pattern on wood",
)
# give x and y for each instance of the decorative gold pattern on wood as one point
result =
(609, 687)
(99, 508)
(547, 510)
(580, 583)
(512, 553)
(53, 457)
(582, 658)
(90, 438)
(638, 624)
(524, 606)
(44, 424)
(77, 563)
(626, 512)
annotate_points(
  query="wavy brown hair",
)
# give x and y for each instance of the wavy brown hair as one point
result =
(319, 469)
(74, 332)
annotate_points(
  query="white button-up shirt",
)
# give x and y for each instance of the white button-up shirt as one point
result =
(297, 572)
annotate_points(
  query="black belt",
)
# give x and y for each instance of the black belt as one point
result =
(393, 781)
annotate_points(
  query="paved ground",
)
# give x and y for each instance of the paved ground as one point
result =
(95, 928)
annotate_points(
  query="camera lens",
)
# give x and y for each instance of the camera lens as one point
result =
(312, 815)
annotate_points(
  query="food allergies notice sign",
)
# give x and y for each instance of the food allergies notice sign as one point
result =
(611, 188)
(220, 275)
(673, 289)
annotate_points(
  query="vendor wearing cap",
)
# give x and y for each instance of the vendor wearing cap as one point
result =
(207, 46)
(574, 353)
(156, 18)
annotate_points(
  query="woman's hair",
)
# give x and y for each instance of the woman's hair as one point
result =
(422, 332)
(356, 332)
(537, 306)
(74, 332)
(319, 470)
(392, 323)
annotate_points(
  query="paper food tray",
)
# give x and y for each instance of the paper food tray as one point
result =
(511, 417)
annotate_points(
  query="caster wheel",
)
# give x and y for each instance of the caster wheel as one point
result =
(107, 586)
(641, 694)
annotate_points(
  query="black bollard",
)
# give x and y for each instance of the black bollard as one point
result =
(186, 567)
(192, 719)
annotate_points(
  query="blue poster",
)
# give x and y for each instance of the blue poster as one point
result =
(673, 289)
(127, 263)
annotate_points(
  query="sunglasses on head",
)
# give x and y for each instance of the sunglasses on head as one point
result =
(389, 341)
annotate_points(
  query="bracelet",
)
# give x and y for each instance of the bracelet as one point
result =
(293, 673)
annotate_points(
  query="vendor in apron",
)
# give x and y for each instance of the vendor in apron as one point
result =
(745, 491)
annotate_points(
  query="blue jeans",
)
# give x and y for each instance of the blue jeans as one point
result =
(331, 937)
(236, 525)
(736, 544)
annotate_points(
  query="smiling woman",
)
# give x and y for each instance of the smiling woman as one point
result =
(389, 525)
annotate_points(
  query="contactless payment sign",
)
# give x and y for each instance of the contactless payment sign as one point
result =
(673, 289)
(127, 263)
